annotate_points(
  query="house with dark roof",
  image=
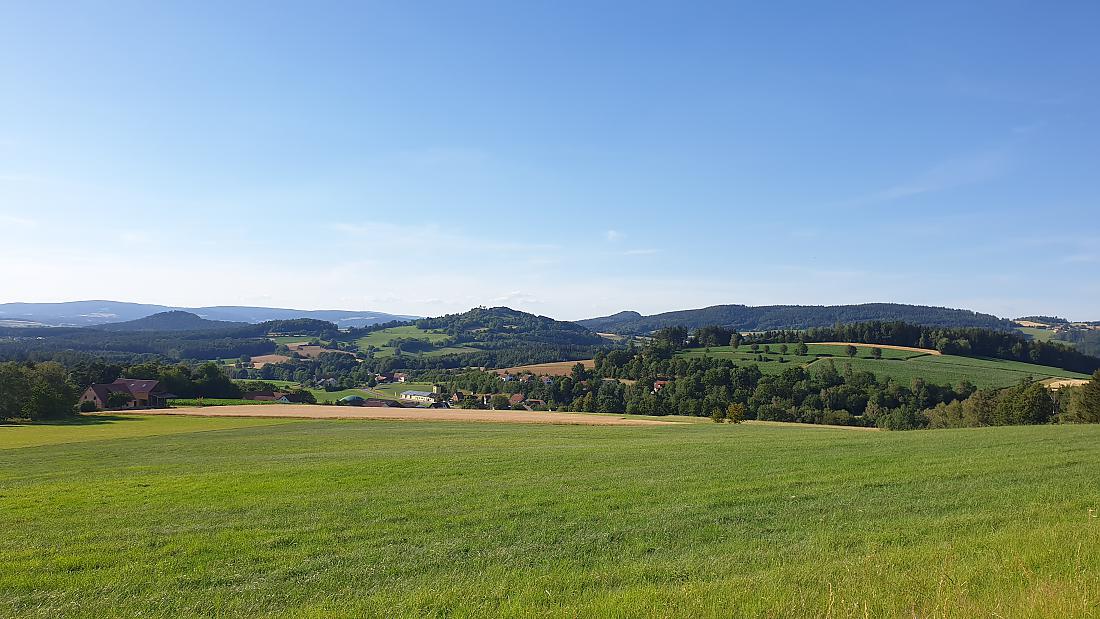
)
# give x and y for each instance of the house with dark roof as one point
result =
(141, 394)
(267, 396)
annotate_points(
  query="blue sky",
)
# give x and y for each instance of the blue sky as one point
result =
(571, 159)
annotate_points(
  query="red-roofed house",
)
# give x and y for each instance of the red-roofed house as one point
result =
(142, 393)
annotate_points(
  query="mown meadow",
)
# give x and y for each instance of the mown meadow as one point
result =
(901, 365)
(177, 517)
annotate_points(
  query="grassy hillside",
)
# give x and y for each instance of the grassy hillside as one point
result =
(903, 366)
(380, 339)
(1043, 335)
(490, 337)
(252, 517)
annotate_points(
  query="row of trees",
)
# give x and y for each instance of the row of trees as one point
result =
(1025, 404)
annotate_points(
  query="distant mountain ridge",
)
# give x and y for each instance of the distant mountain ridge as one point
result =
(772, 317)
(174, 320)
(90, 313)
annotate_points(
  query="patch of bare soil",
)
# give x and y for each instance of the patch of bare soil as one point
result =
(308, 411)
(558, 368)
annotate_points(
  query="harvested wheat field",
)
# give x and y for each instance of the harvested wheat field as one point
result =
(557, 368)
(312, 411)
(262, 360)
(1058, 383)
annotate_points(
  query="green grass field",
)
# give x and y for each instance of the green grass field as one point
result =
(331, 396)
(380, 338)
(1043, 335)
(949, 369)
(901, 365)
(187, 517)
(292, 339)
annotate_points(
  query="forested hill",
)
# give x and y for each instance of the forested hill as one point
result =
(774, 317)
(170, 321)
(503, 323)
(489, 337)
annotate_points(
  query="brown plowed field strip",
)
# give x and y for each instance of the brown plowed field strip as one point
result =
(306, 411)
(558, 368)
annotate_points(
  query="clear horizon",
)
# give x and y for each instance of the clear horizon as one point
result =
(573, 160)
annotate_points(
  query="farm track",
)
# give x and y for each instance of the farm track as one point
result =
(306, 411)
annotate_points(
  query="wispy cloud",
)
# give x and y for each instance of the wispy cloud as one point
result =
(429, 235)
(956, 172)
(614, 235)
(17, 221)
(640, 252)
(1080, 259)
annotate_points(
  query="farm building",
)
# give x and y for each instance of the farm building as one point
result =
(517, 398)
(426, 397)
(267, 396)
(141, 394)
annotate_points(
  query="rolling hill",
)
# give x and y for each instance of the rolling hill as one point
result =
(175, 320)
(771, 317)
(497, 336)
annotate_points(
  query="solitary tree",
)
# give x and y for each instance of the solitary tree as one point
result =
(876, 353)
(803, 349)
(783, 349)
(735, 340)
(735, 413)
(851, 350)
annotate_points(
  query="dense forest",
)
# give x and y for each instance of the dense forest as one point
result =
(763, 318)
(1086, 341)
(132, 346)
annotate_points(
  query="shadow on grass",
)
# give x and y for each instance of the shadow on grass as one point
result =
(77, 420)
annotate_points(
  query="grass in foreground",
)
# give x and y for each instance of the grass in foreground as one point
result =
(253, 517)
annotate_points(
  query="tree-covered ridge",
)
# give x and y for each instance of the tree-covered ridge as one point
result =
(489, 337)
(175, 320)
(223, 342)
(494, 324)
(764, 318)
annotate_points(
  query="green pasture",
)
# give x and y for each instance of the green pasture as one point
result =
(331, 396)
(900, 365)
(380, 338)
(199, 517)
